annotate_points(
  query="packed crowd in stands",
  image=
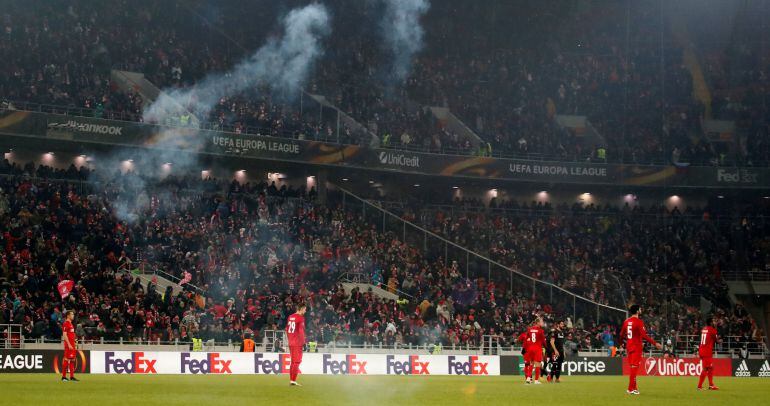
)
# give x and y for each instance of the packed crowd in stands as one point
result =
(506, 78)
(738, 73)
(252, 251)
(660, 253)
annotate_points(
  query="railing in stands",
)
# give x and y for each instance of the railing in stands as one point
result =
(273, 340)
(732, 345)
(473, 265)
(752, 275)
(11, 336)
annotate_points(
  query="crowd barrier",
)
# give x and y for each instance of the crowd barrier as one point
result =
(169, 362)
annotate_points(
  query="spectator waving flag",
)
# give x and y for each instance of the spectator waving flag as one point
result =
(65, 287)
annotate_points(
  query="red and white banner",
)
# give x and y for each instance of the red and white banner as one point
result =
(679, 367)
(127, 362)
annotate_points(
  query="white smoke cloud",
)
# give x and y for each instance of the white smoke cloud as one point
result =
(282, 63)
(403, 33)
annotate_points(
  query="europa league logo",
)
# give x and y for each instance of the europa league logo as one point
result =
(57, 364)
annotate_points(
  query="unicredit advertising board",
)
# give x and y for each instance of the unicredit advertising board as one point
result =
(138, 362)
(679, 367)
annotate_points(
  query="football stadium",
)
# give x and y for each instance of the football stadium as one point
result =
(384, 202)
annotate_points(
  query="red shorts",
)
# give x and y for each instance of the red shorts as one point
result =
(634, 358)
(70, 353)
(533, 355)
(706, 361)
(295, 352)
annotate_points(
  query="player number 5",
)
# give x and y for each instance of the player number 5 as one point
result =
(630, 332)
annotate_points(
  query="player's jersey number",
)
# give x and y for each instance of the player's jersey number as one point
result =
(292, 326)
(703, 337)
(630, 331)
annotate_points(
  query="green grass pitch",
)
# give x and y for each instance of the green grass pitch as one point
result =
(215, 390)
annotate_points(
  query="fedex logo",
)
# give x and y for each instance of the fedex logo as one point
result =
(137, 364)
(266, 366)
(411, 367)
(472, 367)
(350, 366)
(212, 364)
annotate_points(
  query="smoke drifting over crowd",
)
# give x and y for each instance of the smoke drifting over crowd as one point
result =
(403, 33)
(283, 63)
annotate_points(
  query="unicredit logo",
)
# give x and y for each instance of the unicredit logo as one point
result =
(411, 367)
(266, 366)
(471, 367)
(350, 366)
(137, 364)
(391, 158)
(212, 364)
(672, 367)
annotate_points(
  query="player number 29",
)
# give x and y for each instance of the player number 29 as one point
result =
(292, 326)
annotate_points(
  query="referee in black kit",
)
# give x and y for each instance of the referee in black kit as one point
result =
(555, 352)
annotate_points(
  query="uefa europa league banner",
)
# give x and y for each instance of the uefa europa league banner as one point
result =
(138, 362)
(40, 361)
(32, 127)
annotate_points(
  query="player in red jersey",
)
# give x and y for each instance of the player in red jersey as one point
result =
(633, 332)
(533, 340)
(708, 336)
(295, 329)
(70, 348)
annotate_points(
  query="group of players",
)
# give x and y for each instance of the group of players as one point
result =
(632, 332)
(533, 341)
(534, 345)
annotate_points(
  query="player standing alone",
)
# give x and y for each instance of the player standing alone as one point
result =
(533, 340)
(70, 348)
(633, 332)
(708, 336)
(295, 329)
(555, 352)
